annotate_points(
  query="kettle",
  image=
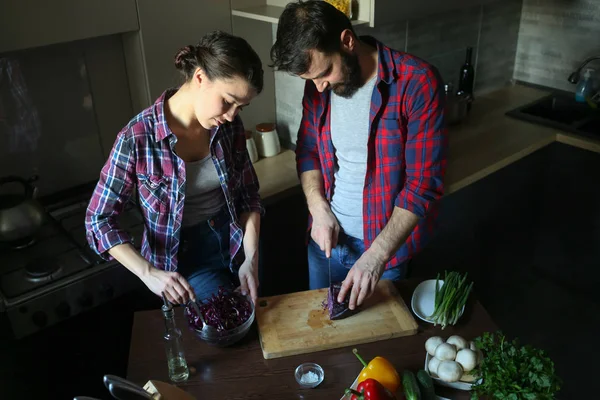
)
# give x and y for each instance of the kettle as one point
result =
(21, 216)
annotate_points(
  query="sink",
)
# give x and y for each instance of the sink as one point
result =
(559, 110)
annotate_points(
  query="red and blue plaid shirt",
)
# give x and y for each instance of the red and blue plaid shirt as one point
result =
(407, 146)
(143, 157)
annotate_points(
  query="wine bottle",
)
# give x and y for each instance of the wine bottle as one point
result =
(467, 74)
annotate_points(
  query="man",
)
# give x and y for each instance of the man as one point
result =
(371, 148)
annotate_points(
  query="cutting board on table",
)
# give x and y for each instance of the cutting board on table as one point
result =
(296, 323)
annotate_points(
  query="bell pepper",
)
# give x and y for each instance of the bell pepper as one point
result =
(370, 389)
(381, 370)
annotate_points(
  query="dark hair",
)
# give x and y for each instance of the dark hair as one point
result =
(305, 26)
(221, 56)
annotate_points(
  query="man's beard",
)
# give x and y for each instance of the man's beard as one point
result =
(352, 76)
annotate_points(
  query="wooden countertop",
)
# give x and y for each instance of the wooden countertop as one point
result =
(484, 143)
(241, 372)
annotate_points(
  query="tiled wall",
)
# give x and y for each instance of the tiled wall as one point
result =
(491, 30)
(61, 106)
(554, 38)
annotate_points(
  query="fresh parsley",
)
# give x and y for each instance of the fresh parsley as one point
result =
(513, 372)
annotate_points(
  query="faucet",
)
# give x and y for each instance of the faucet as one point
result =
(574, 77)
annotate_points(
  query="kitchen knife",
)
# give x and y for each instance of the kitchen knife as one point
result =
(124, 392)
(117, 380)
(85, 398)
(329, 260)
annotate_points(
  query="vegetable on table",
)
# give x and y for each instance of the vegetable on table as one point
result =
(224, 310)
(467, 358)
(450, 298)
(449, 371)
(426, 385)
(445, 351)
(370, 389)
(338, 310)
(509, 370)
(461, 362)
(458, 342)
(381, 370)
(411, 387)
(432, 343)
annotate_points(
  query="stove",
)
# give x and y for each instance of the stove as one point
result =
(55, 275)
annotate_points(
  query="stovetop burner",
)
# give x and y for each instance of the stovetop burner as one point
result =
(42, 269)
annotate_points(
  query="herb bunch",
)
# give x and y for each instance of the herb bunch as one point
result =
(450, 298)
(513, 372)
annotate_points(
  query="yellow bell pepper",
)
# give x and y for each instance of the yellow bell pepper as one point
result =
(381, 370)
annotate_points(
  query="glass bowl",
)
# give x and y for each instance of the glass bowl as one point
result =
(308, 368)
(226, 338)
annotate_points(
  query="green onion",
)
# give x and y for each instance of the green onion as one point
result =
(450, 298)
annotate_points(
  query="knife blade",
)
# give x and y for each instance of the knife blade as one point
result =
(329, 260)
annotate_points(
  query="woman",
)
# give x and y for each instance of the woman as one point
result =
(197, 190)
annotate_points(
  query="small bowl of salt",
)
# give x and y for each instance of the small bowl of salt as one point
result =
(309, 375)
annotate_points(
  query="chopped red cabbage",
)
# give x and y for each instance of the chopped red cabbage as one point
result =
(337, 310)
(224, 311)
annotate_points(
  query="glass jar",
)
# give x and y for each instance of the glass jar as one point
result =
(267, 141)
(344, 6)
(251, 147)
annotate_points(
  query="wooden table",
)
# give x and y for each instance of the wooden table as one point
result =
(241, 372)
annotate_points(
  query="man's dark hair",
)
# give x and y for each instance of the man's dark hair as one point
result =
(305, 26)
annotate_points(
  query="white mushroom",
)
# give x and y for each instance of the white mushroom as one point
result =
(432, 343)
(472, 346)
(445, 351)
(433, 366)
(459, 342)
(467, 358)
(449, 371)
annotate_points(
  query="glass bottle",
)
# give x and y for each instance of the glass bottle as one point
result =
(466, 78)
(178, 369)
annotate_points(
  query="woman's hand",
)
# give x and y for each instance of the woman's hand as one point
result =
(175, 287)
(248, 274)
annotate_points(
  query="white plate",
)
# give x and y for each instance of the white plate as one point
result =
(355, 384)
(423, 300)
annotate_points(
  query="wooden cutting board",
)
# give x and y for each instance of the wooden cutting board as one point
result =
(296, 323)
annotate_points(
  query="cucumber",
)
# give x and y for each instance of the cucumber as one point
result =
(426, 385)
(411, 388)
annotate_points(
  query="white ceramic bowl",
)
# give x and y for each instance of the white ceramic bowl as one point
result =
(460, 385)
(306, 368)
(423, 300)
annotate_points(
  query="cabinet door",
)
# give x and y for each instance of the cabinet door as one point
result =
(166, 26)
(33, 23)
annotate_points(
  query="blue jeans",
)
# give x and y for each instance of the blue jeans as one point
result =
(343, 256)
(204, 259)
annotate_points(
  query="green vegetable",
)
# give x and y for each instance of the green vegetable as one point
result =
(513, 372)
(411, 388)
(426, 385)
(450, 298)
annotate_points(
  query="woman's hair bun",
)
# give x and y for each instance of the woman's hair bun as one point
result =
(183, 56)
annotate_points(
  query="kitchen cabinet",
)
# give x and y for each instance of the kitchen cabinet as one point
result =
(282, 252)
(371, 12)
(164, 28)
(33, 23)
